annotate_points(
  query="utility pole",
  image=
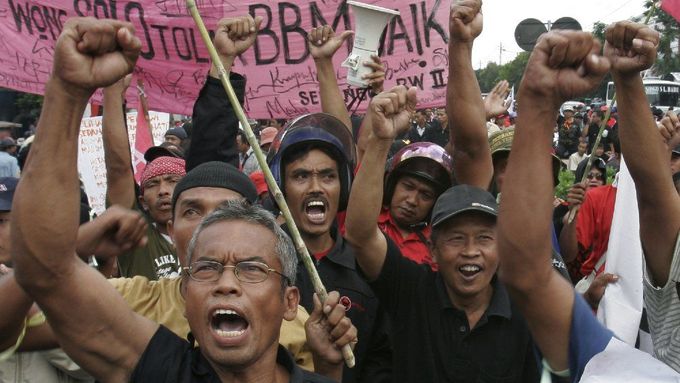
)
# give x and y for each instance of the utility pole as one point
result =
(500, 54)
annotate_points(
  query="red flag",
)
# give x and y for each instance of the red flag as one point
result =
(143, 139)
(672, 7)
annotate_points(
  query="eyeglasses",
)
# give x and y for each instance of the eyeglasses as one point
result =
(597, 176)
(246, 271)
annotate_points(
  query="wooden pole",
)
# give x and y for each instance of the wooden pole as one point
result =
(302, 251)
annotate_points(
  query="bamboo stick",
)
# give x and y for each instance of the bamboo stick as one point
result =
(302, 251)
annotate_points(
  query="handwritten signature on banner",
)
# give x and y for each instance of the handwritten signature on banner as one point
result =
(281, 75)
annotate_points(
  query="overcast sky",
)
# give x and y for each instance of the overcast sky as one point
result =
(502, 16)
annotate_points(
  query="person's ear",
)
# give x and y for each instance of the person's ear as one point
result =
(291, 298)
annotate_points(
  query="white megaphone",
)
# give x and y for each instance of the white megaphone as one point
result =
(369, 22)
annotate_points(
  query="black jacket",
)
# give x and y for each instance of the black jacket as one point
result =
(215, 124)
(214, 139)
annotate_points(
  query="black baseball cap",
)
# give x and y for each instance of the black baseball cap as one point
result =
(460, 199)
(162, 150)
(7, 187)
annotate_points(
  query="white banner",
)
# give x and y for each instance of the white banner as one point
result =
(91, 165)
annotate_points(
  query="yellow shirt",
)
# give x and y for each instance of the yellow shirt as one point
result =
(162, 302)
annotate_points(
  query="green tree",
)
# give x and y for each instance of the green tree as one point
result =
(668, 59)
(511, 71)
(514, 70)
(27, 102)
(488, 77)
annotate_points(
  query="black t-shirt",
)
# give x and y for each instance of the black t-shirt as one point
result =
(339, 272)
(169, 358)
(432, 340)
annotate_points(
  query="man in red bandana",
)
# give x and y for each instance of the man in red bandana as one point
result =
(158, 258)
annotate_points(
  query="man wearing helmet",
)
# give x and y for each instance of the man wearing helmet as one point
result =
(456, 323)
(312, 160)
(417, 175)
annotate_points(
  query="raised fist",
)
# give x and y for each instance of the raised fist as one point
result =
(465, 20)
(389, 112)
(630, 47)
(235, 35)
(93, 53)
(563, 65)
(323, 42)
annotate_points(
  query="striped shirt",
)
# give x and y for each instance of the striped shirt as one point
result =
(663, 313)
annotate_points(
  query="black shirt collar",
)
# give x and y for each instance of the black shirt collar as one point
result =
(201, 366)
(340, 253)
(500, 300)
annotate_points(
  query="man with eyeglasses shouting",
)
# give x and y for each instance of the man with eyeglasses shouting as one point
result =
(236, 323)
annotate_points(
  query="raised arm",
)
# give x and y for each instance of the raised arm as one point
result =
(387, 117)
(468, 143)
(632, 48)
(568, 239)
(17, 302)
(15, 305)
(120, 181)
(323, 43)
(90, 319)
(544, 297)
(215, 124)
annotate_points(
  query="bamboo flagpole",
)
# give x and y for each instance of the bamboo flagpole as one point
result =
(589, 165)
(302, 251)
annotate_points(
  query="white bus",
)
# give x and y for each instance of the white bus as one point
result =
(660, 93)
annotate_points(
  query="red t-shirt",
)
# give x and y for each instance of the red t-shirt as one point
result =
(411, 246)
(593, 224)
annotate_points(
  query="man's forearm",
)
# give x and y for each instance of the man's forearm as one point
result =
(645, 154)
(332, 101)
(119, 176)
(215, 123)
(640, 141)
(569, 241)
(365, 204)
(44, 250)
(527, 231)
(472, 160)
(367, 191)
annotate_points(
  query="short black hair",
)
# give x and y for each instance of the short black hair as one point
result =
(301, 150)
(242, 135)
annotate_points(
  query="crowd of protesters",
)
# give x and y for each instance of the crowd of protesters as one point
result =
(437, 232)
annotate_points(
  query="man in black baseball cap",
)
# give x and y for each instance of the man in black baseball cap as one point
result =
(456, 323)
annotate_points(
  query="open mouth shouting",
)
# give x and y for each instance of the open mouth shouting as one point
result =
(229, 326)
(315, 210)
(470, 271)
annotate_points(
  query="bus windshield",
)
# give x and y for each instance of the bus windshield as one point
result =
(662, 94)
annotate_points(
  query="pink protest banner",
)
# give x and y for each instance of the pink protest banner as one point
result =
(281, 74)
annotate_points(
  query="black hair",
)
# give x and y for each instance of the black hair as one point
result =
(299, 151)
(241, 134)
